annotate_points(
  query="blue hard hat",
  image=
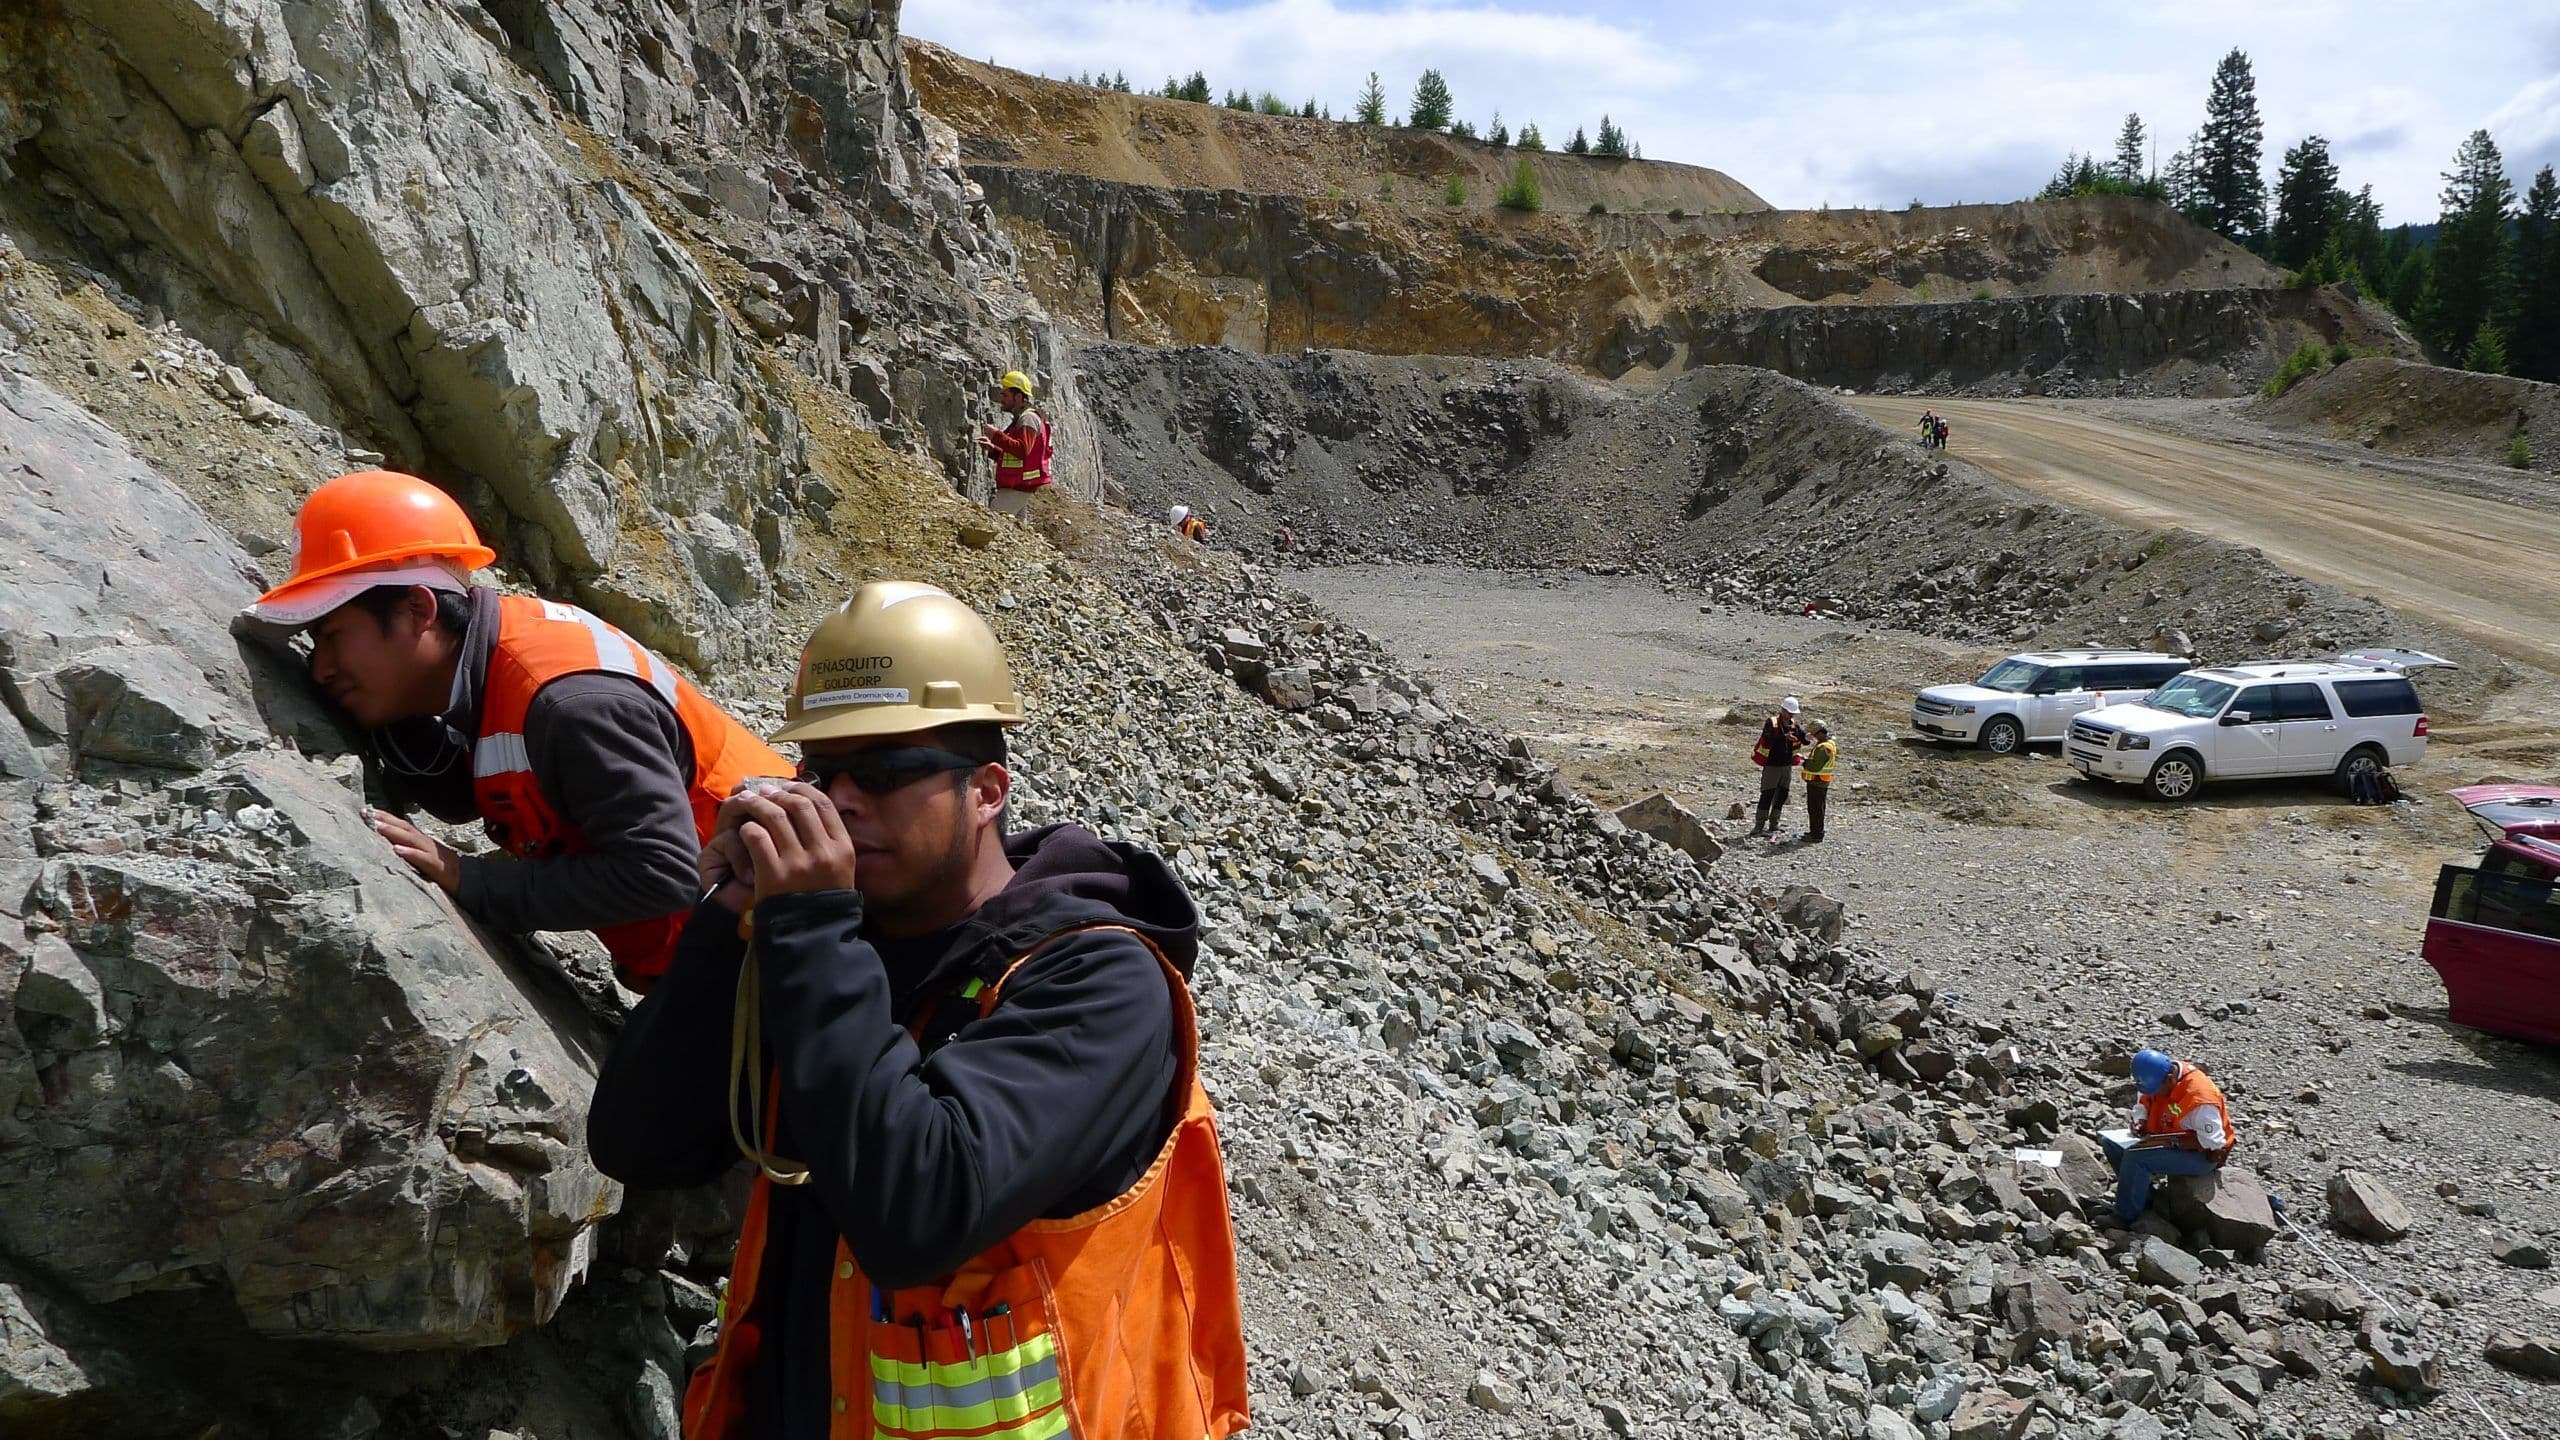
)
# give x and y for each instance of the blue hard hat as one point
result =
(2151, 1069)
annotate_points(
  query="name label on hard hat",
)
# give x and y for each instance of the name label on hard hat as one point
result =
(877, 695)
(854, 662)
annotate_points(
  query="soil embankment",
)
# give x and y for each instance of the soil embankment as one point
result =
(2427, 411)
(1170, 223)
(2478, 566)
(1736, 481)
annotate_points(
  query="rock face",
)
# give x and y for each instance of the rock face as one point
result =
(340, 1114)
(2203, 341)
(547, 334)
(2363, 1205)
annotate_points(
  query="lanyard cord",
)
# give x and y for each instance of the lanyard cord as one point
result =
(746, 1051)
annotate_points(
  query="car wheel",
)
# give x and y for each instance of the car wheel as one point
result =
(2175, 777)
(2362, 760)
(2002, 735)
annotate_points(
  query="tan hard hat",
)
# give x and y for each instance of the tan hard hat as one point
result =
(896, 658)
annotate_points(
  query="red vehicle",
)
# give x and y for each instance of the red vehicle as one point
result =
(2493, 933)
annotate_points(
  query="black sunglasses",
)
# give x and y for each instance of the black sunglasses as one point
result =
(878, 772)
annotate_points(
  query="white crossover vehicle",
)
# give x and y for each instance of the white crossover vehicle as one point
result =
(2287, 717)
(2033, 697)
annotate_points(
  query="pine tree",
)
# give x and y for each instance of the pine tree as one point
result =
(1496, 135)
(1120, 81)
(2228, 154)
(1308, 110)
(1530, 139)
(1580, 144)
(2308, 204)
(1196, 89)
(2472, 280)
(2360, 237)
(1612, 142)
(2413, 284)
(1522, 192)
(2535, 347)
(2178, 179)
(2487, 352)
(2129, 164)
(1432, 102)
(1372, 109)
(1172, 88)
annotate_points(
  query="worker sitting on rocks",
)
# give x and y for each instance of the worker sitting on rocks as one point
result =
(1781, 737)
(2182, 1126)
(582, 754)
(1020, 447)
(1004, 1211)
(1190, 526)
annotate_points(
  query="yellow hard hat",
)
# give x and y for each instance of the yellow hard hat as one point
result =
(896, 658)
(1015, 380)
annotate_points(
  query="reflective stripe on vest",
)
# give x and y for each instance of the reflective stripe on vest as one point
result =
(539, 641)
(1120, 1322)
(1018, 1389)
(1030, 470)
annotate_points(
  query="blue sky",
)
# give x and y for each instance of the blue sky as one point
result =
(1855, 104)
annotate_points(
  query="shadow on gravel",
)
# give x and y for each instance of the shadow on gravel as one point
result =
(2285, 794)
(2530, 1071)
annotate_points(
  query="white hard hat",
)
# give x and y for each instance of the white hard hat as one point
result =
(1181, 513)
(1792, 705)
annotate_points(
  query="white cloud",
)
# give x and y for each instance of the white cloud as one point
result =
(1852, 103)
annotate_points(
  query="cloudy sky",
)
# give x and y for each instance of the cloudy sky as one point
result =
(1816, 101)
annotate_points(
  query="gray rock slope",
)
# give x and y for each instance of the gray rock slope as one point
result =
(1538, 1126)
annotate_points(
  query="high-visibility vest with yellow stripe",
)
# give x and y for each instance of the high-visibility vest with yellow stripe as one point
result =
(1121, 1323)
(1820, 761)
(540, 641)
(2166, 1112)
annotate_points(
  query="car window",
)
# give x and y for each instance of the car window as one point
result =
(2193, 696)
(2389, 695)
(2012, 676)
(2503, 902)
(2060, 680)
(2129, 677)
(2258, 700)
(2300, 701)
(2160, 674)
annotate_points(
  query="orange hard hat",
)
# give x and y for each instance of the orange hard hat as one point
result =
(372, 520)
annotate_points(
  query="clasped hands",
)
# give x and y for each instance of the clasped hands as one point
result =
(775, 840)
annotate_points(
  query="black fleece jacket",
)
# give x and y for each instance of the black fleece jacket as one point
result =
(921, 1154)
(610, 756)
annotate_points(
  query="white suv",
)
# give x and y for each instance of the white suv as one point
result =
(2033, 697)
(2288, 717)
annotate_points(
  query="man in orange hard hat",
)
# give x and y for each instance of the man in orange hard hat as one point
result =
(590, 759)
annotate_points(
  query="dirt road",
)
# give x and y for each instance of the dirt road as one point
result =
(2479, 566)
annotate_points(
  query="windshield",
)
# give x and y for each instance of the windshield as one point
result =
(2011, 676)
(2192, 696)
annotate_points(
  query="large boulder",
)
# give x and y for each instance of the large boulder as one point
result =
(247, 1053)
(2228, 1206)
(1666, 820)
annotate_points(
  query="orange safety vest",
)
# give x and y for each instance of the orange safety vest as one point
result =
(538, 642)
(1029, 470)
(1122, 1323)
(2188, 1091)
(1195, 528)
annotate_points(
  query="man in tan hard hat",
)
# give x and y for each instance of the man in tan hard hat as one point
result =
(1020, 446)
(963, 1065)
